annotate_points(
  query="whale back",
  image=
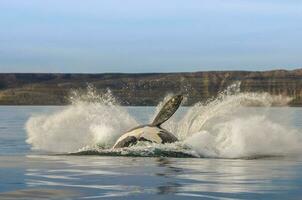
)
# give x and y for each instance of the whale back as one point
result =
(167, 110)
(146, 133)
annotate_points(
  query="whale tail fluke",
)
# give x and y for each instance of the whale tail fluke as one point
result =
(167, 110)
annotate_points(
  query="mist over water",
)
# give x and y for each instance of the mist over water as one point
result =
(223, 127)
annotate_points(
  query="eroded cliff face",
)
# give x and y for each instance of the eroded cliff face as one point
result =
(145, 89)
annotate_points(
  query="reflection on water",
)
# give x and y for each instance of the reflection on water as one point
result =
(39, 193)
(170, 185)
(94, 177)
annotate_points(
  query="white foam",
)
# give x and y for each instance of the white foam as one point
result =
(222, 127)
(84, 123)
(225, 128)
(246, 137)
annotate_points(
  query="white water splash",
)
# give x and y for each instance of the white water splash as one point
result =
(200, 116)
(226, 128)
(223, 127)
(92, 119)
(251, 136)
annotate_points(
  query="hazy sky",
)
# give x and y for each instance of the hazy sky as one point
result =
(149, 35)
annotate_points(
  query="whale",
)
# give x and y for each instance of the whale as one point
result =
(152, 132)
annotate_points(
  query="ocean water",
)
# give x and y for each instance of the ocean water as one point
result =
(229, 148)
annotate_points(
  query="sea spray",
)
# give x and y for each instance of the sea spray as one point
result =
(204, 114)
(222, 127)
(227, 127)
(245, 137)
(92, 119)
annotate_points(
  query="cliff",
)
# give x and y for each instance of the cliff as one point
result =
(145, 89)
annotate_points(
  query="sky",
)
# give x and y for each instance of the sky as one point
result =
(100, 36)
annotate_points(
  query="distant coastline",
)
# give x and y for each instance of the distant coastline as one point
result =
(145, 89)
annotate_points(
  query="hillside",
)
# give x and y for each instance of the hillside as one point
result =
(145, 89)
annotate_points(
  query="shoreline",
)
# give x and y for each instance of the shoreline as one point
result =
(146, 88)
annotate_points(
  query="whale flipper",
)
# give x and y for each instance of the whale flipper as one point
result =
(167, 110)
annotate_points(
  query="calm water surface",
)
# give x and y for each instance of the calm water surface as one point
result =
(27, 174)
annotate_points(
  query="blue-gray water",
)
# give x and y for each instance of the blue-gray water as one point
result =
(29, 174)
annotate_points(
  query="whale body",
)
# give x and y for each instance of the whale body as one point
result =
(152, 132)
